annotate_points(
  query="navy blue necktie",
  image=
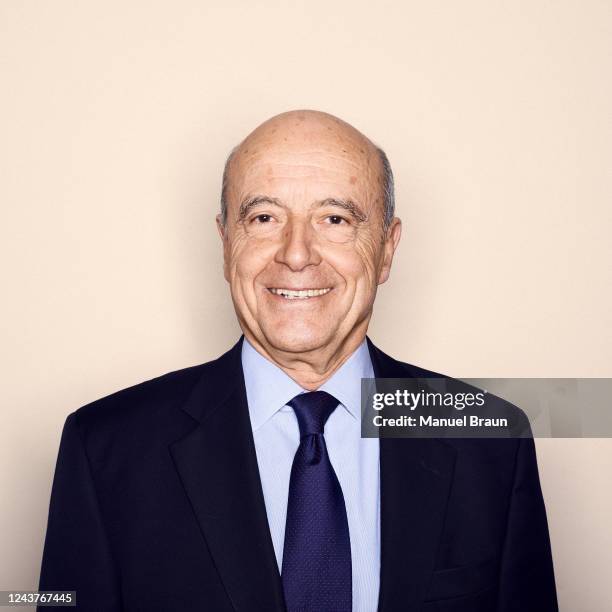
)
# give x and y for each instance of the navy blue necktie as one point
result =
(316, 570)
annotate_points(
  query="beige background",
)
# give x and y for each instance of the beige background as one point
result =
(116, 118)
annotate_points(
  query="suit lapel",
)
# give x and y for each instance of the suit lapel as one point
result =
(415, 475)
(217, 465)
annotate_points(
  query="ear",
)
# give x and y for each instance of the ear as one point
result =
(222, 229)
(391, 240)
(220, 226)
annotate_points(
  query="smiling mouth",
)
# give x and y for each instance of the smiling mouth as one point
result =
(299, 294)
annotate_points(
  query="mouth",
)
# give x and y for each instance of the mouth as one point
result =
(299, 294)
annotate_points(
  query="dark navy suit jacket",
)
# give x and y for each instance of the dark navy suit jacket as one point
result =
(157, 506)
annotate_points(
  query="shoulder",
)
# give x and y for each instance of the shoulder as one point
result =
(152, 406)
(132, 403)
(122, 428)
(492, 448)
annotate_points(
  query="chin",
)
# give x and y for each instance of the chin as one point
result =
(298, 338)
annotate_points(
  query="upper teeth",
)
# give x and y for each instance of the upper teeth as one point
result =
(301, 293)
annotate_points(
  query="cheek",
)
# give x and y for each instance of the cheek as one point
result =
(246, 258)
(357, 262)
(345, 261)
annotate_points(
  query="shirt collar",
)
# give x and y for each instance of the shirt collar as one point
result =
(269, 388)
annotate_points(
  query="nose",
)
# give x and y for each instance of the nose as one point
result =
(298, 248)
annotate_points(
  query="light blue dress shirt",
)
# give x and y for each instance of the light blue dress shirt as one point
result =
(354, 459)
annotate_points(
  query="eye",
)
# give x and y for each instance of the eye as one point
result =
(263, 218)
(336, 219)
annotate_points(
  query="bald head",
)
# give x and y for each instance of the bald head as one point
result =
(305, 131)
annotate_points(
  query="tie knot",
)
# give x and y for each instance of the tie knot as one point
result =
(312, 410)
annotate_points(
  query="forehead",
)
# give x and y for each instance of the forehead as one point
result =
(305, 160)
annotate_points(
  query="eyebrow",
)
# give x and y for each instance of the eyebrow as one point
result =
(351, 207)
(253, 201)
(348, 205)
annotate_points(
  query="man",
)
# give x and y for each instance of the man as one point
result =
(243, 483)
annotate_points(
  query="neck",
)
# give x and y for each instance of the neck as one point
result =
(310, 369)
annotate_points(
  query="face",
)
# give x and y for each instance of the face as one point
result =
(304, 246)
